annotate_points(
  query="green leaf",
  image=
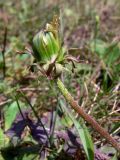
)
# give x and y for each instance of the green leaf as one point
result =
(114, 157)
(109, 53)
(3, 139)
(66, 120)
(10, 114)
(112, 54)
(99, 47)
(83, 134)
(1, 158)
(30, 157)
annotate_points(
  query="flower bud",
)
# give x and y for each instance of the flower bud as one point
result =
(46, 46)
(48, 51)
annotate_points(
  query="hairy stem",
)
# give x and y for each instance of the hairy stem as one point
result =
(86, 117)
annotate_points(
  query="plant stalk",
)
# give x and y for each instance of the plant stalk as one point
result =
(85, 116)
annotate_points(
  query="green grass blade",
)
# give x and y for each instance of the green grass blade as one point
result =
(83, 134)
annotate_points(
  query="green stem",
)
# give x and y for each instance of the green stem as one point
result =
(85, 116)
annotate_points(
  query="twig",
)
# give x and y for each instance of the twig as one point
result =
(86, 117)
(5, 102)
(3, 51)
(4, 16)
(33, 89)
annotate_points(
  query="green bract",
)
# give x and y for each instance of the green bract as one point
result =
(48, 51)
(46, 47)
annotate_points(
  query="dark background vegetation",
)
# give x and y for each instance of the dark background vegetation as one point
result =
(91, 31)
